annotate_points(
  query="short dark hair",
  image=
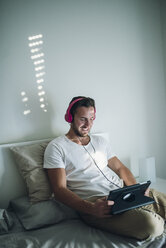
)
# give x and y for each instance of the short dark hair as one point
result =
(84, 102)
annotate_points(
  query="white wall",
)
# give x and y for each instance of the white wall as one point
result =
(109, 50)
(163, 24)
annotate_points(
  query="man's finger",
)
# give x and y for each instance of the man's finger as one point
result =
(110, 203)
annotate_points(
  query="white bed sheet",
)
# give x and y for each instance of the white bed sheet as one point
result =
(73, 234)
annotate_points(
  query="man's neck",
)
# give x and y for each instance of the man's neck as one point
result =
(78, 139)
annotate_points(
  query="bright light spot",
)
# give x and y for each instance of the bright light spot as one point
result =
(35, 37)
(23, 93)
(41, 93)
(25, 99)
(35, 43)
(39, 62)
(37, 56)
(26, 112)
(39, 68)
(41, 99)
(35, 50)
(99, 156)
(40, 81)
(40, 74)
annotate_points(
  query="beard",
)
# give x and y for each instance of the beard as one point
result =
(77, 132)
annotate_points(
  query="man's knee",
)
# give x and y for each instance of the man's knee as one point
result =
(152, 227)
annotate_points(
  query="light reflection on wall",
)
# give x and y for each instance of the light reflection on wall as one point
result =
(37, 56)
(25, 101)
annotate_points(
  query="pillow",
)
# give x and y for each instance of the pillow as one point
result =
(41, 214)
(29, 159)
(6, 222)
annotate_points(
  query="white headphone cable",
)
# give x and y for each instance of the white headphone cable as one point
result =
(97, 164)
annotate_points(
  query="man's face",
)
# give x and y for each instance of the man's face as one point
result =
(83, 121)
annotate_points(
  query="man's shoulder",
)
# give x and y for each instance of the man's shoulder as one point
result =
(58, 140)
(98, 138)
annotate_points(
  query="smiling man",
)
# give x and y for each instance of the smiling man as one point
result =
(83, 169)
(82, 119)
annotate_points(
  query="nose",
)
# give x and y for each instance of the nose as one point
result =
(87, 123)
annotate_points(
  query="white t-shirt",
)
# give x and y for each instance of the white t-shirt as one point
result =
(81, 165)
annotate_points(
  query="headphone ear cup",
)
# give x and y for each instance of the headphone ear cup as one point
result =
(68, 117)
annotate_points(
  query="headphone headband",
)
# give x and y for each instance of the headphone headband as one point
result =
(68, 116)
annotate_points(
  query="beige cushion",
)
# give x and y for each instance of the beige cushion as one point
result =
(29, 159)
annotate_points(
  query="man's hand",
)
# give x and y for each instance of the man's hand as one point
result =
(102, 208)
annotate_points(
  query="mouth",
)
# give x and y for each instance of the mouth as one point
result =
(85, 129)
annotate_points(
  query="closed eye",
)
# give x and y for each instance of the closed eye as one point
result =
(82, 119)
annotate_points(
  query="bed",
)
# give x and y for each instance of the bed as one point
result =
(31, 218)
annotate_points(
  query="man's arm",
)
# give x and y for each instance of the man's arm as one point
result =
(122, 171)
(57, 177)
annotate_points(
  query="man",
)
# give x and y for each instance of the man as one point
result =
(82, 170)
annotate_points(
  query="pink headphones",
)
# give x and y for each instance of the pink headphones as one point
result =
(68, 116)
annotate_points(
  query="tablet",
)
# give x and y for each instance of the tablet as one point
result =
(129, 197)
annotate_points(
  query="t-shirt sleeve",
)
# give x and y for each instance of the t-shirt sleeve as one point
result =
(53, 156)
